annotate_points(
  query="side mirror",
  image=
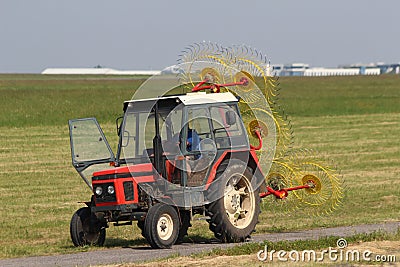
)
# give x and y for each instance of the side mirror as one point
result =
(230, 117)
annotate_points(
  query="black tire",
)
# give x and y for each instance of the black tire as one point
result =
(86, 229)
(184, 226)
(234, 215)
(161, 226)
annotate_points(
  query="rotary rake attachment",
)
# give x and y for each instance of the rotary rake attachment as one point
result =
(297, 180)
(324, 186)
(276, 182)
(317, 188)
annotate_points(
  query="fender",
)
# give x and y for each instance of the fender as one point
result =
(252, 162)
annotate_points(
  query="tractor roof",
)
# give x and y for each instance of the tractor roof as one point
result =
(191, 98)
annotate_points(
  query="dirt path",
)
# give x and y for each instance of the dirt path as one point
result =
(136, 254)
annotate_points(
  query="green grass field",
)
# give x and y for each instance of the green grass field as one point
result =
(353, 121)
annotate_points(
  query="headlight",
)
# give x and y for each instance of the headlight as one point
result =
(111, 189)
(98, 190)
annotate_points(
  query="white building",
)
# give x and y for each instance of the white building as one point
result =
(99, 71)
(301, 69)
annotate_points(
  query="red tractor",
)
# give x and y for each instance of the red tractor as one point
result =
(177, 156)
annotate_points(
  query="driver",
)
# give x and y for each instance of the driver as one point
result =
(193, 140)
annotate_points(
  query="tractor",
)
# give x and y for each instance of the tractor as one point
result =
(177, 156)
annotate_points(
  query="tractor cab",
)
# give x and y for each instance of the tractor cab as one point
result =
(179, 139)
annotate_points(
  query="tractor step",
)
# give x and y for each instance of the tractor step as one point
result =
(122, 224)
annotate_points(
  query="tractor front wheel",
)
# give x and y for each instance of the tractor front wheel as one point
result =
(86, 229)
(161, 227)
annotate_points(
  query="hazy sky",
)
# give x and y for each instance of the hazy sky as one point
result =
(144, 34)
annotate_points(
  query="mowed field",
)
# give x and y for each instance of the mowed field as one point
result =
(352, 121)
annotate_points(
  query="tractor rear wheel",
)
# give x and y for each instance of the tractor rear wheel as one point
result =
(161, 226)
(86, 229)
(233, 217)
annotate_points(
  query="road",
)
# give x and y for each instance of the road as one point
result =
(144, 253)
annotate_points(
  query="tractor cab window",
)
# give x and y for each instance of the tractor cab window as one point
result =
(228, 131)
(137, 135)
(198, 128)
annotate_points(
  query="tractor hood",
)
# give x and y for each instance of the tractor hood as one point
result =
(136, 171)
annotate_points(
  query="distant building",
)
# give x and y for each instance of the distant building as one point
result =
(372, 68)
(389, 68)
(301, 69)
(295, 69)
(99, 71)
(331, 72)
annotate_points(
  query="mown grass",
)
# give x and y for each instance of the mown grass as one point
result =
(353, 121)
(32, 100)
(332, 96)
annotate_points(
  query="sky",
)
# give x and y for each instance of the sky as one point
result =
(149, 35)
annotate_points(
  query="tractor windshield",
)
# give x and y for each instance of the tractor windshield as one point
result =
(137, 135)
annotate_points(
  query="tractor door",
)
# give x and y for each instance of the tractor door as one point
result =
(90, 150)
(200, 146)
(210, 131)
(170, 122)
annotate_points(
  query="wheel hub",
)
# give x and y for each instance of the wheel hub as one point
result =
(314, 182)
(165, 227)
(239, 203)
(235, 202)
